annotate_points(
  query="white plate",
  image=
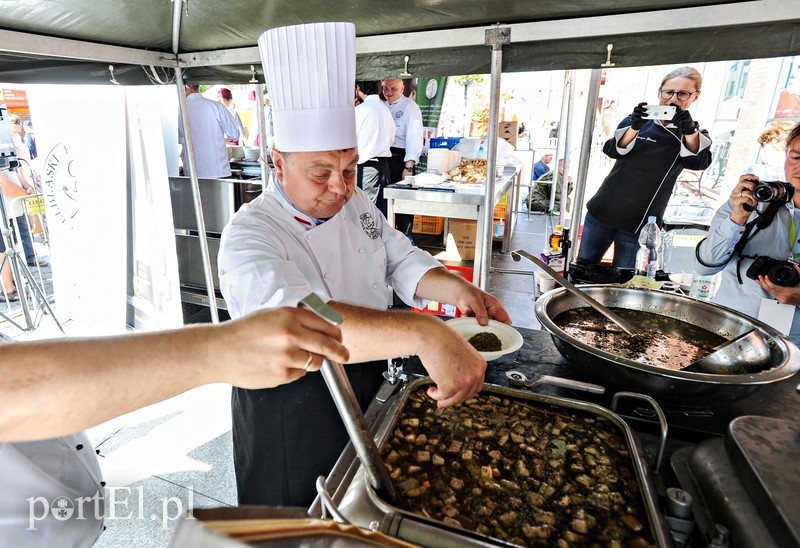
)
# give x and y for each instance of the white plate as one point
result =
(684, 279)
(509, 337)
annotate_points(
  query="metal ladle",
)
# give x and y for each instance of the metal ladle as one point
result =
(747, 353)
(625, 326)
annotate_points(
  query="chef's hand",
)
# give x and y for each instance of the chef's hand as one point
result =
(637, 116)
(683, 121)
(785, 295)
(453, 364)
(472, 301)
(742, 200)
(273, 347)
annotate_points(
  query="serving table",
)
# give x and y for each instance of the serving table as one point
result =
(462, 202)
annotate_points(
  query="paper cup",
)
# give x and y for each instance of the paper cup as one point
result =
(546, 282)
(409, 179)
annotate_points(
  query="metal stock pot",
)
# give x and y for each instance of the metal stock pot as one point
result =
(778, 360)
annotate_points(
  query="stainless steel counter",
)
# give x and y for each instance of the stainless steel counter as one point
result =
(220, 199)
(462, 204)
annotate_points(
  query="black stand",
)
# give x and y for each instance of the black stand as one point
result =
(19, 270)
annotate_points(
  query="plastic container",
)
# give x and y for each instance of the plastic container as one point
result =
(424, 224)
(499, 228)
(649, 242)
(703, 287)
(554, 241)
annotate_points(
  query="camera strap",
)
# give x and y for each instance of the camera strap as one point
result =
(751, 228)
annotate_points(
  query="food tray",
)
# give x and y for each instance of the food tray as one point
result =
(576, 525)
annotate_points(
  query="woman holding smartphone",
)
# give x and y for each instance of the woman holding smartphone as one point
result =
(649, 154)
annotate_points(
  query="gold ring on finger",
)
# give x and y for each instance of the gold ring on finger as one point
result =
(308, 361)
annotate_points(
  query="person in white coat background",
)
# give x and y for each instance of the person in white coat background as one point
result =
(211, 126)
(313, 230)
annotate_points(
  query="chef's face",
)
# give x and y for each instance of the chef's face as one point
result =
(318, 183)
(791, 168)
(392, 89)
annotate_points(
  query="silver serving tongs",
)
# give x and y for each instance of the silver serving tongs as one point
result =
(346, 403)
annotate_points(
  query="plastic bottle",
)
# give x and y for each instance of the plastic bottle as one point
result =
(555, 239)
(647, 256)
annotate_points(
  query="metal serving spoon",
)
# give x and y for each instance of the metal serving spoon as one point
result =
(625, 326)
(747, 353)
(520, 379)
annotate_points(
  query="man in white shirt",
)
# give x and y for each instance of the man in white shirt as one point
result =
(408, 140)
(211, 126)
(376, 130)
(226, 98)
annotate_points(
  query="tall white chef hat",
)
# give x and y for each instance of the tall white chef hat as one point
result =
(311, 72)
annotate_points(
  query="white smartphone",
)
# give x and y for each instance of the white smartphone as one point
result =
(659, 112)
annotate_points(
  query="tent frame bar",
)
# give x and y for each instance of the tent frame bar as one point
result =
(705, 17)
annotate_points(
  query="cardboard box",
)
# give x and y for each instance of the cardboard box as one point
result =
(460, 244)
(556, 261)
(449, 310)
(508, 131)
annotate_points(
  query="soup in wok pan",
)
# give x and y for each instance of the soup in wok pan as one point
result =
(660, 340)
(773, 361)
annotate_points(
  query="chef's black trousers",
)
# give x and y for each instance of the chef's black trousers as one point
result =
(397, 163)
(372, 177)
(286, 437)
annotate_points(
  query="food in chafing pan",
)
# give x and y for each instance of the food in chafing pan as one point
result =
(523, 472)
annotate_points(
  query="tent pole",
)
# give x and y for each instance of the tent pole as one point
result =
(583, 161)
(564, 181)
(262, 139)
(497, 38)
(198, 206)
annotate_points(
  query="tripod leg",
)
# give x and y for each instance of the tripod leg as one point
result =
(41, 298)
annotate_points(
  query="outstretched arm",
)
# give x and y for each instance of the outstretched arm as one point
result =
(52, 388)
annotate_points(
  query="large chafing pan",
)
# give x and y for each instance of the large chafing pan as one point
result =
(363, 506)
(778, 359)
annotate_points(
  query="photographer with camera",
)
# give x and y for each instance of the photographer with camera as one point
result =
(756, 232)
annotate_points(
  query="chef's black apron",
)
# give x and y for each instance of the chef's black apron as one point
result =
(286, 437)
(397, 163)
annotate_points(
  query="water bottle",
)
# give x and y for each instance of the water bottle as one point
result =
(647, 256)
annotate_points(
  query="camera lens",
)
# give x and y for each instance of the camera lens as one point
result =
(764, 192)
(783, 274)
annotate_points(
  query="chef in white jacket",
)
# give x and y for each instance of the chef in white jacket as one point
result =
(312, 230)
(51, 490)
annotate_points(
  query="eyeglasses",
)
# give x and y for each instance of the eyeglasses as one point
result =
(667, 94)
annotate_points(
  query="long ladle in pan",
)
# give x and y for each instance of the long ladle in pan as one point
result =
(347, 404)
(625, 326)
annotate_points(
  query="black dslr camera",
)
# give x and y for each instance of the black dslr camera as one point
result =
(773, 191)
(778, 272)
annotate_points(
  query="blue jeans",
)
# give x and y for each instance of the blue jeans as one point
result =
(598, 237)
(25, 236)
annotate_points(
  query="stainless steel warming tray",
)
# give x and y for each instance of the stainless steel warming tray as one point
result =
(363, 507)
(777, 360)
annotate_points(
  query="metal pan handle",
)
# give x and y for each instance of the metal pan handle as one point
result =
(662, 419)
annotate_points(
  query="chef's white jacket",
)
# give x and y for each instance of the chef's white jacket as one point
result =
(408, 121)
(272, 255)
(40, 484)
(375, 129)
(211, 126)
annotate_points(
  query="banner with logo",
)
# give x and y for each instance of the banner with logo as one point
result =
(155, 293)
(81, 140)
(430, 96)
